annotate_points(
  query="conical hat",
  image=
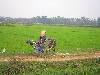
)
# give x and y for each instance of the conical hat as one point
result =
(43, 33)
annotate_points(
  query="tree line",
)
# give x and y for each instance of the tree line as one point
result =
(53, 20)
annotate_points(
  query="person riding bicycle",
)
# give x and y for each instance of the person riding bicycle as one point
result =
(41, 43)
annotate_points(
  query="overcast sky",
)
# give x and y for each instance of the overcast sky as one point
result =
(50, 8)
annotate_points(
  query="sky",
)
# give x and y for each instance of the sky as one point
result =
(50, 8)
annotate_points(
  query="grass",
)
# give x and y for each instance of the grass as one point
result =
(76, 67)
(69, 39)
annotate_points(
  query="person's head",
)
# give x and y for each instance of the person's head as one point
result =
(43, 33)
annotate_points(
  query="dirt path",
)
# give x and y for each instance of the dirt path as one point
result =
(57, 58)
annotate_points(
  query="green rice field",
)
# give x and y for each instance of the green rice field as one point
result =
(71, 40)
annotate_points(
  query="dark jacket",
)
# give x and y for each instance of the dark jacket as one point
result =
(42, 39)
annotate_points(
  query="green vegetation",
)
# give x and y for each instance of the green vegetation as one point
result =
(76, 67)
(83, 21)
(69, 39)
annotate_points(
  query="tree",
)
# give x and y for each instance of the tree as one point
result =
(98, 21)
